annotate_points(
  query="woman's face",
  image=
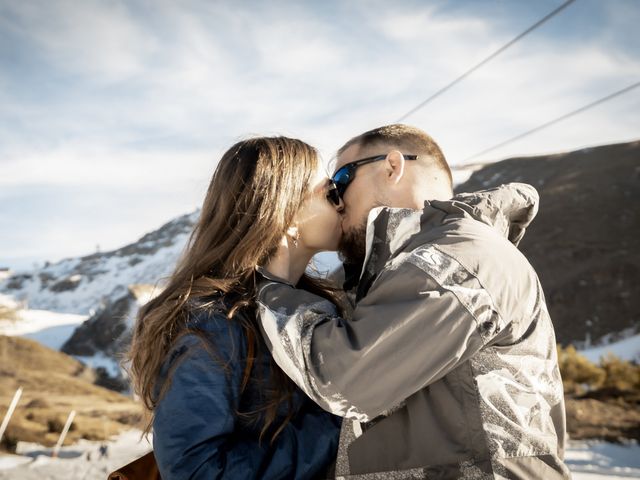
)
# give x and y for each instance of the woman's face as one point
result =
(318, 221)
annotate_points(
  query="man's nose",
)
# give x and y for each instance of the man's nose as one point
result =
(340, 207)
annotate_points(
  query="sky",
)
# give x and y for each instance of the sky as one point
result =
(113, 114)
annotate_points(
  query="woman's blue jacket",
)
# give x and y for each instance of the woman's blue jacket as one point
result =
(197, 432)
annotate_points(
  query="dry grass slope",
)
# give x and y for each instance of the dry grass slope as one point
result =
(603, 401)
(54, 384)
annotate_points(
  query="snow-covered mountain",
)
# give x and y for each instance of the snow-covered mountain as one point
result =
(84, 285)
(86, 306)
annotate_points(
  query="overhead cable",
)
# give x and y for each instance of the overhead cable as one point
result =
(556, 120)
(486, 60)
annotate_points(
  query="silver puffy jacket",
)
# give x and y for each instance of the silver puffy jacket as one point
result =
(447, 367)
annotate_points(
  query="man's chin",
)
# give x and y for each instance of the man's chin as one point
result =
(353, 245)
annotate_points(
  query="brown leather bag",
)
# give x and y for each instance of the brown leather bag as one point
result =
(143, 468)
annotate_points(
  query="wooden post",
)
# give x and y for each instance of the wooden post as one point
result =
(12, 407)
(65, 430)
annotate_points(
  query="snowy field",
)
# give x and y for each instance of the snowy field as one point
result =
(587, 460)
(48, 328)
(627, 349)
(35, 462)
(599, 460)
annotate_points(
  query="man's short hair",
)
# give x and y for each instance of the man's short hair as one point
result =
(408, 139)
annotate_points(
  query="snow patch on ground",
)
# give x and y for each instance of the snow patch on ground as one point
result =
(34, 461)
(101, 360)
(8, 461)
(49, 328)
(586, 460)
(626, 349)
(52, 330)
(599, 460)
(8, 301)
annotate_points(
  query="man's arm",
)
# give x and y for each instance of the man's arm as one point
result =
(420, 319)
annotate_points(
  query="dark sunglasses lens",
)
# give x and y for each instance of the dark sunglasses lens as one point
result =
(342, 178)
(333, 195)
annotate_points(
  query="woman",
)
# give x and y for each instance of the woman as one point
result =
(218, 404)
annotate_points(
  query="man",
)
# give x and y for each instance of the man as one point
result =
(448, 365)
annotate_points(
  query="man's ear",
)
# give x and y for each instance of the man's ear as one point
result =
(394, 166)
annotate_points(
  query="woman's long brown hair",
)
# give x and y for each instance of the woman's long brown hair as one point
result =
(252, 199)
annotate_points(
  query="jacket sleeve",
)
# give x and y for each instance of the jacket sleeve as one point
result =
(195, 433)
(420, 319)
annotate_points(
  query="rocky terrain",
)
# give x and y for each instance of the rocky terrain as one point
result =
(108, 330)
(605, 415)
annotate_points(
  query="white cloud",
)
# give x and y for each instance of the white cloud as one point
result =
(145, 96)
(86, 165)
(96, 39)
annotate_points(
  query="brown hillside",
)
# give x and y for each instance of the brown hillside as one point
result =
(584, 241)
(54, 384)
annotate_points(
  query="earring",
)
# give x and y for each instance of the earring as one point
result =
(294, 233)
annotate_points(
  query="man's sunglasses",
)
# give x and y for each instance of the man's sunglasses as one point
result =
(345, 175)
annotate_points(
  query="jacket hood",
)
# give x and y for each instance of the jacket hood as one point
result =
(508, 208)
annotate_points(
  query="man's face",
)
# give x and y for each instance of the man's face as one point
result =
(362, 194)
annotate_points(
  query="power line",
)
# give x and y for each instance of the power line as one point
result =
(563, 117)
(490, 57)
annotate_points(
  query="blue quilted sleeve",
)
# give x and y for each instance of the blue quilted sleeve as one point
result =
(195, 427)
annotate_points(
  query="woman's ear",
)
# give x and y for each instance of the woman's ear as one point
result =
(394, 166)
(294, 233)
